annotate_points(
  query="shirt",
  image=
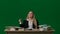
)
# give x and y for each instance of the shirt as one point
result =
(30, 24)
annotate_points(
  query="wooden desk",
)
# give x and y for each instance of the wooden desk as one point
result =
(29, 32)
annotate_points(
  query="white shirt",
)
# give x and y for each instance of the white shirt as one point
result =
(30, 24)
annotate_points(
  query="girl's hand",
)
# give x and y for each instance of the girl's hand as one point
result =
(20, 21)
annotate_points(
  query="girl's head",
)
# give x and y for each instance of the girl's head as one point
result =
(30, 15)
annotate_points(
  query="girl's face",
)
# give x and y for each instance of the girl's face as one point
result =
(30, 15)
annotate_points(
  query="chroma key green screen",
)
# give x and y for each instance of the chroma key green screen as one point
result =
(46, 11)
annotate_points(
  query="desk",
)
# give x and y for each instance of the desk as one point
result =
(30, 32)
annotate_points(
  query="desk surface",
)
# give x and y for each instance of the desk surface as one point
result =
(35, 30)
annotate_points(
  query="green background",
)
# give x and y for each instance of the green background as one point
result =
(46, 11)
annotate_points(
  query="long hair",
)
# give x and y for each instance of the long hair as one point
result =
(34, 19)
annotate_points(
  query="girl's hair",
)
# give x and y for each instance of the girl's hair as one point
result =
(34, 19)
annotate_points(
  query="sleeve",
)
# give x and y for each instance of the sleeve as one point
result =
(22, 25)
(37, 24)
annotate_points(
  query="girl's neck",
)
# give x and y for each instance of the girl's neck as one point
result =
(30, 18)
